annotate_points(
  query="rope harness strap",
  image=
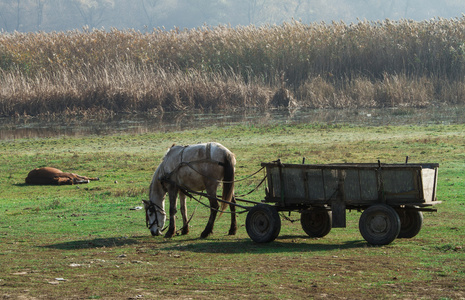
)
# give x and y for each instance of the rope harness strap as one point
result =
(183, 163)
(170, 178)
(190, 193)
(153, 208)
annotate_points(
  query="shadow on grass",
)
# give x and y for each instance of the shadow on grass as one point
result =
(226, 245)
(284, 244)
(93, 244)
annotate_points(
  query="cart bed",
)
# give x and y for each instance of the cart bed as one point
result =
(353, 184)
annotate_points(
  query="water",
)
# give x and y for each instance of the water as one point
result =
(11, 129)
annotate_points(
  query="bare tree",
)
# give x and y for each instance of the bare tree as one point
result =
(149, 9)
(93, 11)
(10, 14)
(40, 13)
(18, 14)
(4, 13)
(255, 7)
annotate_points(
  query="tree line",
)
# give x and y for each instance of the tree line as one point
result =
(144, 15)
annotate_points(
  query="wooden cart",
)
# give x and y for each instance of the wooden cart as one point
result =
(391, 196)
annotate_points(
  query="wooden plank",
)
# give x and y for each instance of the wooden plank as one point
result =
(361, 184)
(338, 205)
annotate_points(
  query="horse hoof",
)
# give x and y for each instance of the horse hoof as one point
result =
(184, 231)
(232, 232)
(169, 235)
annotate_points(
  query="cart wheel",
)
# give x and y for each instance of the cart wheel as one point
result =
(263, 223)
(379, 224)
(410, 222)
(316, 222)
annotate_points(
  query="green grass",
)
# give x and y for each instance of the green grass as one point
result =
(88, 235)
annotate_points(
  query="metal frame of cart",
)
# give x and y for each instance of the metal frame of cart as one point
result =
(391, 196)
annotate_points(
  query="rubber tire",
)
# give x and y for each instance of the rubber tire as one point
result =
(379, 224)
(410, 223)
(263, 223)
(316, 222)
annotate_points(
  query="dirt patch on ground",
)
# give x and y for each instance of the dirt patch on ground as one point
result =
(146, 268)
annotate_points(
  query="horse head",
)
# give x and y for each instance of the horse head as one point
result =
(155, 217)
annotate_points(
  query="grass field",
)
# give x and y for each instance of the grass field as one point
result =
(85, 242)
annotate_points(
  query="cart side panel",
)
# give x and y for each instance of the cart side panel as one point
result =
(354, 184)
(360, 186)
(316, 184)
(322, 185)
(287, 185)
(401, 185)
(290, 185)
(429, 182)
(293, 184)
(331, 184)
(369, 186)
(274, 184)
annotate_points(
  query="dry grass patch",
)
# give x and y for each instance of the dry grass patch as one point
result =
(337, 65)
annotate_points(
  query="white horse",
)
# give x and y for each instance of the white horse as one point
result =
(191, 168)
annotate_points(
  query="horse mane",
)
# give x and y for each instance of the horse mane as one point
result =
(171, 148)
(156, 177)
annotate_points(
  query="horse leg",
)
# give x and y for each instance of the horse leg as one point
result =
(185, 221)
(173, 194)
(63, 180)
(232, 208)
(214, 206)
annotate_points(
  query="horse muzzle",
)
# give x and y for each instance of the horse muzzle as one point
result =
(155, 232)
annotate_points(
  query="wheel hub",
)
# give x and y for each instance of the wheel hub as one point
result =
(379, 224)
(262, 223)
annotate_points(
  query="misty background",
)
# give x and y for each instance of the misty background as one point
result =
(144, 15)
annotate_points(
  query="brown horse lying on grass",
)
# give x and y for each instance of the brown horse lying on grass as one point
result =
(48, 175)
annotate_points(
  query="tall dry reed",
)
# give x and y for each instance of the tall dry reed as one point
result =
(367, 64)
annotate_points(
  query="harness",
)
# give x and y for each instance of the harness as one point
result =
(153, 209)
(166, 178)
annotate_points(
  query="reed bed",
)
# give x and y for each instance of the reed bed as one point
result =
(337, 65)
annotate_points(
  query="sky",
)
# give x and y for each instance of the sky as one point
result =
(144, 15)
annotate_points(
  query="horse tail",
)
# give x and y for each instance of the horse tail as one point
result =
(228, 180)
